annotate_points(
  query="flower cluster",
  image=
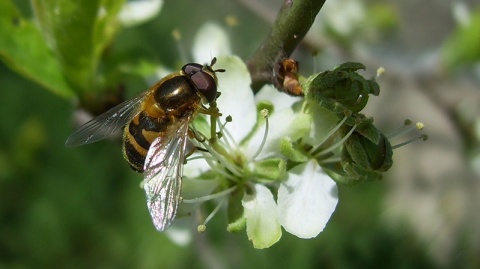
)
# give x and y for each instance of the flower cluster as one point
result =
(273, 160)
(246, 158)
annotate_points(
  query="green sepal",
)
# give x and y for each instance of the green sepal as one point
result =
(351, 174)
(237, 226)
(293, 154)
(364, 125)
(341, 89)
(371, 156)
(269, 169)
(369, 131)
(236, 219)
(361, 159)
(350, 67)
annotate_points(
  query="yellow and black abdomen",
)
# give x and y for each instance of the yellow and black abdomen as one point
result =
(138, 136)
(171, 101)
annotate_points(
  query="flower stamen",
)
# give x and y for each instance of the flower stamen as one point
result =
(337, 144)
(217, 152)
(223, 162)
(226, 137)
(203, 227)
(423, 137)
(330, 133)
(407, 128)
(264, 113)
(333, 159)
(210, 196)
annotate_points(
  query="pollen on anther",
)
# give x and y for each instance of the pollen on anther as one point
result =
(201, 228)
(264, 113)
(419, 125)
(380, 71)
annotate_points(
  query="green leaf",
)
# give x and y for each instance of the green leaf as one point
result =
(23, 49)
(78, 32)
(463, 46)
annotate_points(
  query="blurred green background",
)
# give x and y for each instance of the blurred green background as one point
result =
(83, 208)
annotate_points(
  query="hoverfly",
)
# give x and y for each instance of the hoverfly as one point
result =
(156, 130)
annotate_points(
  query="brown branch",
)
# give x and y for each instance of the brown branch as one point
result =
(292, 23)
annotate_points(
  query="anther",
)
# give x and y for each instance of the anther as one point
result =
(380, 71)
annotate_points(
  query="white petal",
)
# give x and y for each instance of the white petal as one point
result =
(278, 99)
(181, 231)
(196, 166)
(306, 200)
(260, 211)
(210, 41)
(136, 12)
(283, 123)
(237, 98)
(195, 188)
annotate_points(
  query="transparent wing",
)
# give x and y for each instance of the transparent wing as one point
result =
(163, 175)
(107, 123)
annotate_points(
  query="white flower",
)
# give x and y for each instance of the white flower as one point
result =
(137, 12)
(247, 157)
(212, 42)
(306, 195)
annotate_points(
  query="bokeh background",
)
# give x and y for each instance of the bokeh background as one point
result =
(83, 208)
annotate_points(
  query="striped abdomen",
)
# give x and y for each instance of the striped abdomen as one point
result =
(138, 136)
(173, 99)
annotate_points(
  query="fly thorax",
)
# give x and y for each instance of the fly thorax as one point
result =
(176, 94)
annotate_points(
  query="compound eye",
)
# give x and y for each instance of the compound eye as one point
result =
(205, 84)
(191, 68)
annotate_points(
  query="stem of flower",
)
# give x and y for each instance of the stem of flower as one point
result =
(292, 23)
